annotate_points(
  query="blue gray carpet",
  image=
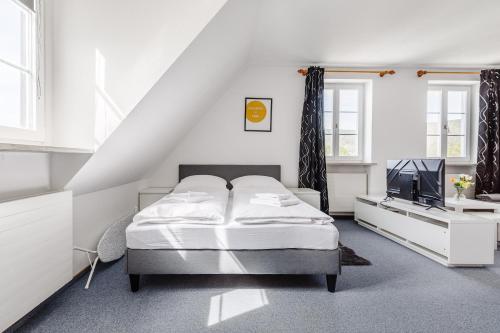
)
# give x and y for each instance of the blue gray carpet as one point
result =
(400, 292)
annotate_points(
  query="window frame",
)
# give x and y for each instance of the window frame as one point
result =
(34, 131)
(445, 89)
(336, 86)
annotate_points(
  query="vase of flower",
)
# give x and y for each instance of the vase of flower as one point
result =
(460, 184)
(459, 195)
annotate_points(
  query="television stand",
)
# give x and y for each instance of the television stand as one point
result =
(434, 206)
(428, 207)
(450, 238)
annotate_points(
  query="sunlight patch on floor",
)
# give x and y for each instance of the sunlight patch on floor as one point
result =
(234, 303)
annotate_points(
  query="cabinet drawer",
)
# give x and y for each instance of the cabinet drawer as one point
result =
(412, 228)
(369, 213)
(423, 233)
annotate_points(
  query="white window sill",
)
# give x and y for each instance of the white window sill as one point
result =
(350, 163)
(44, 149)
(460, 163)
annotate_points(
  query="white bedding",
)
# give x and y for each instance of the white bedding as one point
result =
(166, 210)
(245, 212)
(232, 236)
(242, 226)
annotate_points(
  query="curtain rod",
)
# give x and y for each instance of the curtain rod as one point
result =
(421, 72)
(303, 71)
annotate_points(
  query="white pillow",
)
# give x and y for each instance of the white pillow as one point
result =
(203, 181)
(255, 181)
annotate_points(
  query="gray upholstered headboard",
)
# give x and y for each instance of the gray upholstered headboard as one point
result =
(229, 172)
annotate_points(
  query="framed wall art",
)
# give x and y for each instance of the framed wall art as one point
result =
(258, 114)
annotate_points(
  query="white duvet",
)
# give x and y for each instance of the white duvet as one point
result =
(166, 210)
(247, 213)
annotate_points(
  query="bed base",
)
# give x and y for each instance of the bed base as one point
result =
(191, 262)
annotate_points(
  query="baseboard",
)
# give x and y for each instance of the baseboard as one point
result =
(342, 215)
(14, 327)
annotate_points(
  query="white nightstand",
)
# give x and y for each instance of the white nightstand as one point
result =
(151, 195)
(308, 195)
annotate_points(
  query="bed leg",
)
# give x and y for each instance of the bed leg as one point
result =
(331, 282)
(134, 282)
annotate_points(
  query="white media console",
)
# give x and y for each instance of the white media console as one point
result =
(450, 238)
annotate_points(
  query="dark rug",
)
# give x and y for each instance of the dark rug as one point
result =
(350, 258)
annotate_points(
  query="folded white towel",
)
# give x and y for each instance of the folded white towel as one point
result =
(275, 202)
(279, 196)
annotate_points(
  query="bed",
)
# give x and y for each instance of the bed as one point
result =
(229, 247)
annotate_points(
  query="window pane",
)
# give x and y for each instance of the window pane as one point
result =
(348, 123)
(433, 124)
(348, 145)
(329, 145)
(328, 100)
(13, 33)
(456, 146)
(11, 105)
(348, 100)
(457, 101)
(434, 101)
(328, 122)
(434, 106)
(433, 146)
(456, 124)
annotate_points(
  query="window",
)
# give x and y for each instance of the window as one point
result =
(18, 77)
(448, 122)
(343, 120)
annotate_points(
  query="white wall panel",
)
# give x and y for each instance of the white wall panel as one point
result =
(36, 244)
(343, 189)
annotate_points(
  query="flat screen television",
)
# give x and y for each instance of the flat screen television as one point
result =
(421, 181)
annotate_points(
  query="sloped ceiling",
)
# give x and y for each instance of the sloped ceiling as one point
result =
(107, 55)
(177, 100)
(449, 33)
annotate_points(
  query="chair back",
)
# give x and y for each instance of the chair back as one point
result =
(113, 244)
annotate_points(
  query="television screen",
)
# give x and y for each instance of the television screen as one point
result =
(418, 180)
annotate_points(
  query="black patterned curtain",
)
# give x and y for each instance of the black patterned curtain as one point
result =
(312, 164)
(488, 153)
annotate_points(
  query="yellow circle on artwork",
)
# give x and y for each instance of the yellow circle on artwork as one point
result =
(256, 111)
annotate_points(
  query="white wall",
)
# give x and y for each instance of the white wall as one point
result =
(218, 137)
(174, 104)
(106, 55)
(94, 212)
(23, 173)
(398, 129)
(399, 122)
(399, 125)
